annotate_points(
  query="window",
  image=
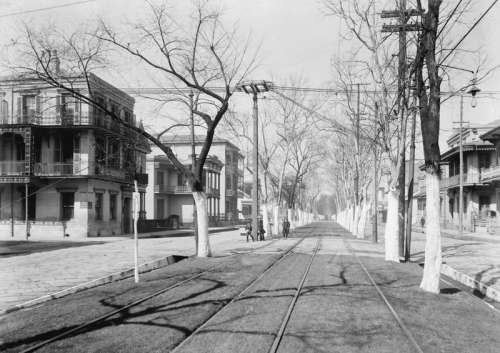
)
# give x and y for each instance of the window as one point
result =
(180, 180)
(112, 206)
(29, 106)
(69, 106)
(159, 177)
(4, 111)
(67, 205)
(160, 212)
(98, 206)
(99, 112)
(228, 182)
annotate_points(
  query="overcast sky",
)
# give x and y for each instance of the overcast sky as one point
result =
(297, 38)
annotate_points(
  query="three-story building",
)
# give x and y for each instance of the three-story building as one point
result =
(66, 168)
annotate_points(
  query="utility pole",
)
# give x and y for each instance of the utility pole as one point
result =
(461, 173)
(375, 188)
(255, 161)
(356, 177)
(411, 172)
(403, 15)
(254, 88)
(375, 198)
(193, 166)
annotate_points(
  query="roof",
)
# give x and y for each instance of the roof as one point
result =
(492, 134)
(465, 130)
(199, 140)
(468, 147)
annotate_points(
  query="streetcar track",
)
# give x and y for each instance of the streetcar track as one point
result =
(146, 298)
(284, 323)
(398, 319)
(237, 297)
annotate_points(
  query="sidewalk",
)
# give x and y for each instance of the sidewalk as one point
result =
(473, 259)
(26, 277)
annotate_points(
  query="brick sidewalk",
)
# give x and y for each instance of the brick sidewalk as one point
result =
(27, 277)
(472, 259)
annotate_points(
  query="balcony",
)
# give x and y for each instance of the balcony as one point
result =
(54, 169)
(65, 120)
(212, 191)
(12, 168)
(113, 172)
(142, 178)
(454, 181)
(490, 174)
(172, 189)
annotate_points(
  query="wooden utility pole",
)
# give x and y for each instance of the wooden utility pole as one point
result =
(411, 181)
(403, 15)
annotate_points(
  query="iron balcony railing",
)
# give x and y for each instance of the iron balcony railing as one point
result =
(172, 189)
(454, 181)
(54, 169)
(12, 168)
(491, 173)
(110, 171)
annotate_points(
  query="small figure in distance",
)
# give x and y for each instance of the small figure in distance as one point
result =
(286, 227)
(248, 229)
(260, 234)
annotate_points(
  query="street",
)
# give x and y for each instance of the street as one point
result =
(238, 302)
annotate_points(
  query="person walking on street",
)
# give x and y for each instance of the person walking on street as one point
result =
(260, 234)
(248, 229)
(286, 227)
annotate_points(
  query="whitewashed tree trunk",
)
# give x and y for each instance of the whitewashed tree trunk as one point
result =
(276, 216)
(265, 220)
(357, 220)
(392, 226)
(433, 257)
(290, 218)
(200, 199)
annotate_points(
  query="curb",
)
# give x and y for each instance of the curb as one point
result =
(146, 267)
(482, 288)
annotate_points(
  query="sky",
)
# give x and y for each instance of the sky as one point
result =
(296, 38)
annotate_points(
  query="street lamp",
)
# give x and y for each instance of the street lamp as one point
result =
(473, 92)
(254, 88)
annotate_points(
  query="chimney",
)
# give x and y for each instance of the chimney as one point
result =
(54, 63)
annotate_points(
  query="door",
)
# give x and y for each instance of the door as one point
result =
(484, 206)
(127, 215)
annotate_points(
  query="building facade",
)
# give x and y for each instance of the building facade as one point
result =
(66, 168)
(480, 189)
(168, 196)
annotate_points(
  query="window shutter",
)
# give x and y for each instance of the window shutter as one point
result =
(20, 107)
(38, 105)
(58, 109)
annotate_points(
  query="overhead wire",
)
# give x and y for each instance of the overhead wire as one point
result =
(45, 8)
(468, 32)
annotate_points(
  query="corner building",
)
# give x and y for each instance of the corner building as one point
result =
(67, 169)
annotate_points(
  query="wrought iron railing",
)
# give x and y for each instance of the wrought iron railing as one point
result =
(12, 167)
(54, 169)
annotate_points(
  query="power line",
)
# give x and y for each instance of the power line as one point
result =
(449, 18)
(45, 8)
(468, 32)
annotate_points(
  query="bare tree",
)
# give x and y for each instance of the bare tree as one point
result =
(204, 59)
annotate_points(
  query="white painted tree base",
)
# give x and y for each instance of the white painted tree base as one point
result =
(392, 227)
(433, 256)
(200, 199)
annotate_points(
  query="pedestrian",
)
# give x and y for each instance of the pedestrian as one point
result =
(260, 235)
(248, 229)
(286, 227)
(422, 222)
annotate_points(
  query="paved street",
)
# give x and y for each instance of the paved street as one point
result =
(27, 277)
(240, 303)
